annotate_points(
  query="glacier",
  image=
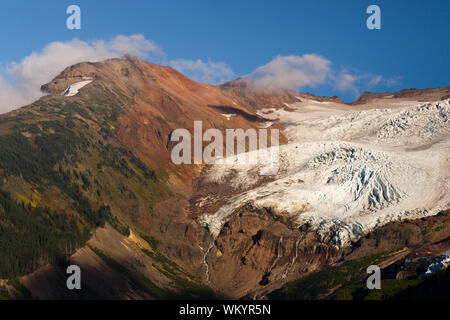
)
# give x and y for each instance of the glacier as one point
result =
(347, 172)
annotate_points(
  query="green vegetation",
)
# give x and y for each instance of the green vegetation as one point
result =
(34, 163)
(434, 287)
(119, 226)
(189, 286)
(4, 294)
(321, 284)
(116, 158)
(389, 288)
(184, 285)
(24, 292)
(137, 280)
(57, 149)
(31, 236)
(151, 241)
(347, 282)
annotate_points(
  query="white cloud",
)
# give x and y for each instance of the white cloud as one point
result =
(345, 82)
(380, 81)
(20, 82)
(135, 45)
(350, 82)
(205, 72)
(296, 72)
(10, 98)
(292, 72)
(374, 81)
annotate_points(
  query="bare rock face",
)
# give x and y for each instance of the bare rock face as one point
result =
(256, 253)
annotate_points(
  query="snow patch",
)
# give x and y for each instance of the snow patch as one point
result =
(73, 89)
(442, 263)
(228, 116)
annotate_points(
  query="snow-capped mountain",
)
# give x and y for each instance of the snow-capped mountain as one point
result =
(88, 168)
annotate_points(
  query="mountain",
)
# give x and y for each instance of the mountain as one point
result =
(86, 178)
(95, 152)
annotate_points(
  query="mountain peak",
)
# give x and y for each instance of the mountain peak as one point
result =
(127, 70)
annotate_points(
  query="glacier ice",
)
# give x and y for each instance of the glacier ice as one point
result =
(358, 171)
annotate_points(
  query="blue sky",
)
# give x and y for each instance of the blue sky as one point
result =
(410, 50)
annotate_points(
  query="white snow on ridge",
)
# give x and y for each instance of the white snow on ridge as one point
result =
(228, 116)
(404, 125)
(350, 172)
(74, 88)
(442, 263)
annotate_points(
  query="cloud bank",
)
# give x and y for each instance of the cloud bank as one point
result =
(20, 82)
(295, 72)
(350, 82)
(346, 82)
(205, 72)
(292, 72)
